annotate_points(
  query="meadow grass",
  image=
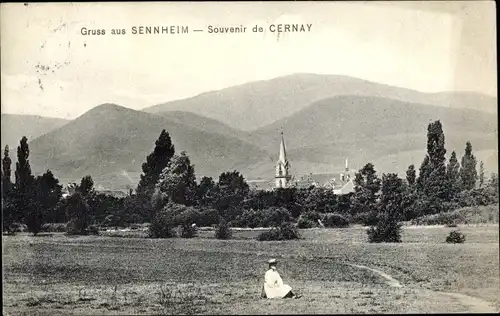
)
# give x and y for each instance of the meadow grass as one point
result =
(57, 274)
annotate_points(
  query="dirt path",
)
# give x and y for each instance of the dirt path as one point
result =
(475, 304)
(389, 279)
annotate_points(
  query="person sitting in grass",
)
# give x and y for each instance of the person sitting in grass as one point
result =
(273, 284)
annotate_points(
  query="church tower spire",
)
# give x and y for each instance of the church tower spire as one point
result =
(282, 167)
(282, 156)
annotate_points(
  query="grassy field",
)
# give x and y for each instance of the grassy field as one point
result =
(336, 270)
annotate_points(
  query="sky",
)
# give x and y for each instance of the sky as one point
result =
(425, 46)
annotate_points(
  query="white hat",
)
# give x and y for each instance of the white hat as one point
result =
(272, 261)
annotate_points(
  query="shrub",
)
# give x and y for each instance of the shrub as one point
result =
(34, 218)
(286, 231)
(312, 216)
(447, 218)
(93, 230)
(455, 237)
(162, 225)
(385, 233)
(335, 220)
(276, 216)
(19, 228)
(388, 229)
(250, 218)
(187, 216)
(476, 197)
(272, 234)
(54, 228)
(366, 219)
(289, 231)
(208, 217)
(188, 231)
(305, 223)
(135, 218)
(134, 227)
(223, 230)
(110, 221)
(73, 228)
(77, 210)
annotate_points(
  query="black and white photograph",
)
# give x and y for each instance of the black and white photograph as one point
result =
(295, 157)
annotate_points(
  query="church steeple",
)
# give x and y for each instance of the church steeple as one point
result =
(282, 167)
(282, 156)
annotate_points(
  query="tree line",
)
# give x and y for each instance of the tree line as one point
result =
(168, 195)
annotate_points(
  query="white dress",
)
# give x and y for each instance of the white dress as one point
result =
(273, 285)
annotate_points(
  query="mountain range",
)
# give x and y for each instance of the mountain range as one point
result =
(15, 126)
(111, 142)
(256, 104)
(325, 119)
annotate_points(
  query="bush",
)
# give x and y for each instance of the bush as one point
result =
(286, 231)
(305, 223)
(135, 227)
(312, 216)
(19, 228)
(272, 234)
(54, 228)
(208, 217)
(366, 219)
(72, 228)
(250, 218)
(387, 230)
(34, 219)
(93, 230)
(289, 231)
(335, 220)
(77, 210)
(188, 231)
(162, 225)
(187, 216)
(455, 237)
(276, 216)
(110, 221)
(447, 218)
(223, 230)
(478, 197)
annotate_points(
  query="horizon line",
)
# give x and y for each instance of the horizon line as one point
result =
(249, 82)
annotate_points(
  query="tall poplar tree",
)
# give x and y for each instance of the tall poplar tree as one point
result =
(468, 172)
(453, 175)
(9, 211)
(6, 171)
(24, 178)
(432, 178)
(481, 174)
(26, 198)
(411, 175)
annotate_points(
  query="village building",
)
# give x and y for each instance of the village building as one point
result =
(340, 183)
